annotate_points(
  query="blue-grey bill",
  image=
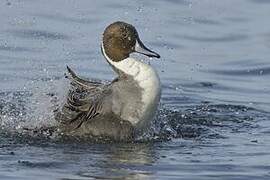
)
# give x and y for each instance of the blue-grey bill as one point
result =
(140, 48)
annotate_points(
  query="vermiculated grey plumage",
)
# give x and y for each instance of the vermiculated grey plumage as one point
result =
(95, 109)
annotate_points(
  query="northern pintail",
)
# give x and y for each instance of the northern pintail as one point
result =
(122, 108)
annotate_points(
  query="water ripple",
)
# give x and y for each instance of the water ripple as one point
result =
(260, 1)
(39, 34)
(31, 164)
(179, 2)
(243, 72)
(16, 49)
(225, 38)
(58, 17)
(207, 121)
(206, 21)
(168, 45)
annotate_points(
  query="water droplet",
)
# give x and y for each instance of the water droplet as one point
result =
(8, 3)
(140, 9)
(190, 5)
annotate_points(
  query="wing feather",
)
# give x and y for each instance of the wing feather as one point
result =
(84, 100)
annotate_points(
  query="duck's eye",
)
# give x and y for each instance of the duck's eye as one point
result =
(125, 34)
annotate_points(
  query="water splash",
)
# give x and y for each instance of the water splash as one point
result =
(31, 112)
(32, 108)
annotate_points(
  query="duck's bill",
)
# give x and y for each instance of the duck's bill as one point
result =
(140, 48)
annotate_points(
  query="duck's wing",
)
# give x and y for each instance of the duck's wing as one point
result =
(85, 101)
(81, 83)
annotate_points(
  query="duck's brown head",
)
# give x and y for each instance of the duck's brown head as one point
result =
(120, 39)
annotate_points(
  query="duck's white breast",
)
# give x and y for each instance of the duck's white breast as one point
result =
(148, 80)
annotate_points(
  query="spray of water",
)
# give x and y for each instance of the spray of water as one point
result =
(33, 110)
(34, 106)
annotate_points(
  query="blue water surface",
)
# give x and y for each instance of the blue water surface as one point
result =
(214, 117)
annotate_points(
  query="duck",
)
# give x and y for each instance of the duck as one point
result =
(119, 110)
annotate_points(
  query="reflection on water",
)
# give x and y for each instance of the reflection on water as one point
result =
(213, 122)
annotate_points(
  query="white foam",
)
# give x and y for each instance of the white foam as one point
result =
(35, 107)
